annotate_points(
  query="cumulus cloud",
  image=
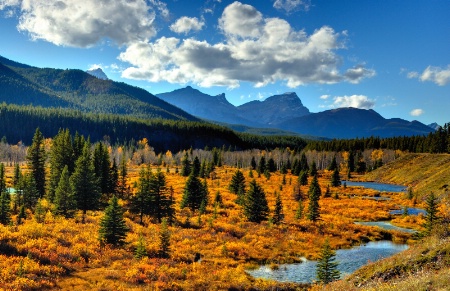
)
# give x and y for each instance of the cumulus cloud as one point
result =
(416, 112)
(436, 75)
(325, 97)
(187, 24)
(356, 101)
(439, 76)
(255, 49)
(84, 23)
(292, 5)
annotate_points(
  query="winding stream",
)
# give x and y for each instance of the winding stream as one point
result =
(376, 186)
(349, 261)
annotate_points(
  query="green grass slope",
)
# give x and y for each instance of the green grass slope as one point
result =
(423, 172)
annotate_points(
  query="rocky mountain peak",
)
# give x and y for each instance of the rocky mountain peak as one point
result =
(98, 73)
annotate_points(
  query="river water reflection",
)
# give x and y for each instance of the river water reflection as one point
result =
(349, 261)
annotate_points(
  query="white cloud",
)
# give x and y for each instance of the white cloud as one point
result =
(439, 76)
(85, 23)
(412, 75)
(241, 20)
(8, 3)
(257, 50)
(292, 5)
(187, 24)
(436, 75)
(356, 101)
(416, 112)
(325, 97)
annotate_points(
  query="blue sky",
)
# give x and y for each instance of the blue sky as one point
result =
(391, 56)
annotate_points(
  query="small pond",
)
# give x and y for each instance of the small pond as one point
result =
(377, 186)
(349, 261)
(411, 211)
(385, 225)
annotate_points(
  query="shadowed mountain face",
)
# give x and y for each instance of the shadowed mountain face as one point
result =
(267, 113)
(26, 85)
(286, 112)
(353, 122)
(274, 110)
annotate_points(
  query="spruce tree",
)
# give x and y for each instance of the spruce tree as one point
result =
(30, 194)
(299, 213)
(255, 205)
(432, 209)
(351, 162)
(36, 161)
(102, 165)
(22, 215)
(39, 212)
(194, 193)
(333, 164)
(140, 251)
(326, 270)
(122, 189)
(196, 167)
(253, 163)
(185, 166)
(141, 202)
(314, 193)
(261, 165)
(113, 181)
(84, 183)
(5, 208)
(2, 178)
(113, 230)
(304, 163)
(161, 202)
(335, 178)
(278, 215)
(65, 203)
(313, 169)
(218, 199)
(237, 185)
(61, 155)
(303, 178)
(164, 240)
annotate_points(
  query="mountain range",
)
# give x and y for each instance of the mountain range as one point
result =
(93, 92)
(287, 113)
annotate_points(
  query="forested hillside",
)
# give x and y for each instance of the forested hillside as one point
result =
(75, 89)
(17, 123)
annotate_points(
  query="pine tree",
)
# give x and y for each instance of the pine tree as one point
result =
(141, 202)
(351, 162)
(22, 215)
(185, 165)
(261, 165)
(61, 155)
(333, 165)
(112, 225)
(102, 165)
(122, 183)
(36, 161)
(271, 167)
(2, 178)
(164, 240)
(196, 167)
(65, 203)
(237, 186)
(255, 205)
(313, 170)
(327, 266)
(314, 196)
(278, 215)
(432, 209)
(84, 183)
(159, 196)
(303, 178)
(304, 163)
(113, 181)
(30, 194)
(194, 193)
(299, 213)
(253, 163)
(39, 212)
(335, 178)
(5, 208)
(140, 251)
